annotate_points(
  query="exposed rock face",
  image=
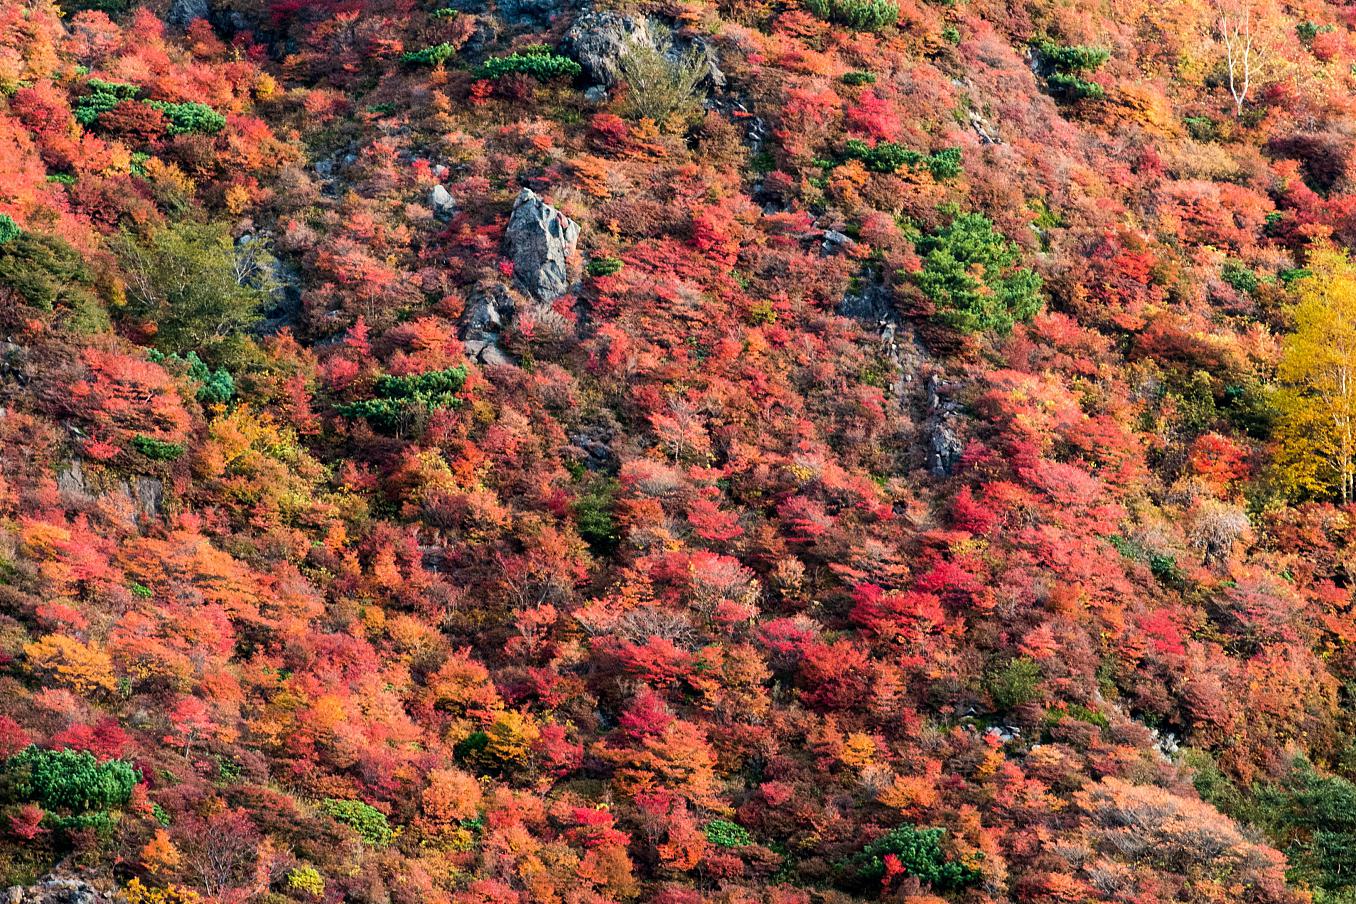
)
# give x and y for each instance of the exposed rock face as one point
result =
(540, 240)
(944, 443)
(183, 12)
(487, 314)
(599, 39)
(440, 199)
(59, 890)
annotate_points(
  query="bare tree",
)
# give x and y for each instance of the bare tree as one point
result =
(1235, 27)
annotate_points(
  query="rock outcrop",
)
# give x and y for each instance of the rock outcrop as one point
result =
(440, 199)
(540, 241)
(599, 39)
(59, 890)
(488, 313)
(183, 12)
(944, 442)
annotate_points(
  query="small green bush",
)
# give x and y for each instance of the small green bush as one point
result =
(157, 449)
(1015, 683)
(859, 78)
(1069, 64)
(69, 780)
(593, 517)
(726, 834)
(215, 387)
(103, 96)
(604, 266)
(971, 273)
(190, 117)
(9, 230)
(399, 399)
(430, 56)
(888, 157)
(369, 822)
(919, 852)
(1240, 276)
(860, 15)
(537, 61)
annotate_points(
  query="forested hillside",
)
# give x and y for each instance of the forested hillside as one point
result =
(741, 451)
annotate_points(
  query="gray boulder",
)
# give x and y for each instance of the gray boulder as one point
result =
(487, 314)
(598, 40)
(540, 240)
(60, 890)
(440, 199)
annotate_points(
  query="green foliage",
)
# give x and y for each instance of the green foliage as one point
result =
(604, 266)
(70, 781)
(1014, 684)
(888, 157)
(594, 520)
(156, 449)
(920, 854)
(859, 78)
(537, 61)
(190, 117)
(436, 55)
(951, 35)
(103, 96)
(9, 230)
(1069, 65)
(970, 273)
(860, 15)
(726, 834)
(1240, 276)
(369, 822)
(307, 880)
(187, 279)
(215, 387)
(398, 400)
(661, 86)
(48, 273)
(1071, 58)
(1070, 86)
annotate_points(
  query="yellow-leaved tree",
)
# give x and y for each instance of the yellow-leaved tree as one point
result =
(1316, 431)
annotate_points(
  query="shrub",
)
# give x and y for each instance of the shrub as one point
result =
(46, 272)
(157, 450)
(888, 157)
(859, 78)
(1067, 65)
(399, 399)
(69, 780)
(369, 822)
(190, 117)
(660, 86)
(430, 56)
(604, 266)
(861, 15)
(1014, 684)
(726, 834)
(1240, 276)
(593, 518)
(9, 230)
(537, 62)
(919, 853)
(307, 880)
(103, 96)
(970, 273)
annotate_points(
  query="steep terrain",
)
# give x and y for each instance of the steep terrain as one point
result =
(773, 451)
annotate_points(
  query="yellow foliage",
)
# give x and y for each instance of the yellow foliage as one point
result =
(1317, 428)
(511, 735)
(138, 893)
(83, 667)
